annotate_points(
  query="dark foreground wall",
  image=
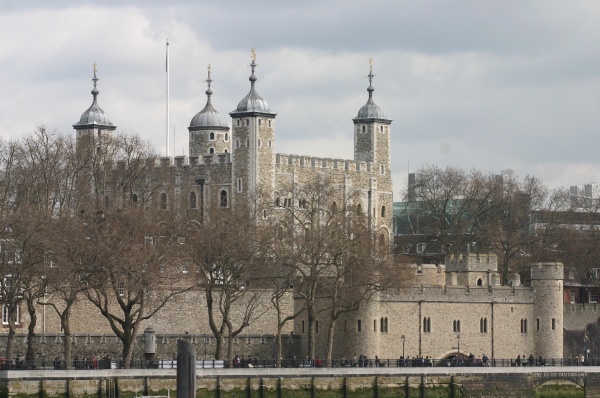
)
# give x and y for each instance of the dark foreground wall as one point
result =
(309, 383)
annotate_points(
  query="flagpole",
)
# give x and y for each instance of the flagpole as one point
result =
(167, 70)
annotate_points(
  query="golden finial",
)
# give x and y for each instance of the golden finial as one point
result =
(370, 75)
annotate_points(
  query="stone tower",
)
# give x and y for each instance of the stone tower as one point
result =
(253, 134)
(372, 145)
(208, 130)
(94, 135)
(547, 284)
(372, 133)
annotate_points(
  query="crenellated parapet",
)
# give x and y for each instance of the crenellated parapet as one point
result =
(291, 162)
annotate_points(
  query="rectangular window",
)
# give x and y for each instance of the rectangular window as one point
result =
(375, 325)
(593, 296)
(121, 288)
(537, 324)
(553, 323)
(5, 314)
(359, 325)
(573, 296)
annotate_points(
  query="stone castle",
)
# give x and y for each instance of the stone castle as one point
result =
(459, 307)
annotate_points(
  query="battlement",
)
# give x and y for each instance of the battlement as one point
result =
(467, 294)
(547, 271)
(302, 161)
(470, 262)
(178, 162)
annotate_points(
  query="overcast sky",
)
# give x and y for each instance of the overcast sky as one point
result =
(490, 85)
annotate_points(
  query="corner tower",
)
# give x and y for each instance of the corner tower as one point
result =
(372, 132)
(94, 136)
(253, 145)
(547, 283)
(93, 129)
(208, 130)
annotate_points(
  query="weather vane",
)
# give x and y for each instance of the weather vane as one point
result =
(370, 75)
(253, 56)
(95, 79)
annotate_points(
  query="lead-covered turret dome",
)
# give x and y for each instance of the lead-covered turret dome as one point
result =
(252, 103)
(208, 118)
(370, 111)
(94, 116)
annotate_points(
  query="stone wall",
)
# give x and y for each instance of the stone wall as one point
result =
(49, 347)
(292, 383)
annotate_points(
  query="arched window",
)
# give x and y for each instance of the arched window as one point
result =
(238, 122)
(247, 122)
(382, 170)
(226, 151)
(334, 208)
(226, 137)
(163, 200)
(381, 128)
(264, 214)
(363, 129)
(269, 123)
(277, 201)
(239, 185)
(211, 150)
(237, 143)
(260, 122)
(359, 210)
(382, 211)
(193, 203)
(479, 282)
(211, 136)
(134, 198)
(223, 198)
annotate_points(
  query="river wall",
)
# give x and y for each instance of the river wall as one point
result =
(309, 383)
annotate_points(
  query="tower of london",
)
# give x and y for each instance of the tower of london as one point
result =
(459, 305)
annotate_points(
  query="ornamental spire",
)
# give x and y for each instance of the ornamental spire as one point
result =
(209, 81)
(95, 80)
(253, 66)
(371, 76)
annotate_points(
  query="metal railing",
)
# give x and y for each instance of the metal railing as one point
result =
(107, 363)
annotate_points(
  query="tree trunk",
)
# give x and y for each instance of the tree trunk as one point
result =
(127, 351)
(219, 346)
(311, 335)
(279, 346)
(30, 356)
(10, 341)
(329, 349)
(230, 350)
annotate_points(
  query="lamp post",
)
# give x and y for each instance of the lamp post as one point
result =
(403, 341)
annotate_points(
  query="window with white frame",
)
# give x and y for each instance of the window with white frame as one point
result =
(6, 314)
(121, 288)
(593, 296)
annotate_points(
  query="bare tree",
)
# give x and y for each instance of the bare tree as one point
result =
(226, 253)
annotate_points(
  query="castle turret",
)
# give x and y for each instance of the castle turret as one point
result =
(253, 134)
(94, 134)
(372, 144)
(547, 283)
(93, 126)
(372, 132)
(209, 131)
